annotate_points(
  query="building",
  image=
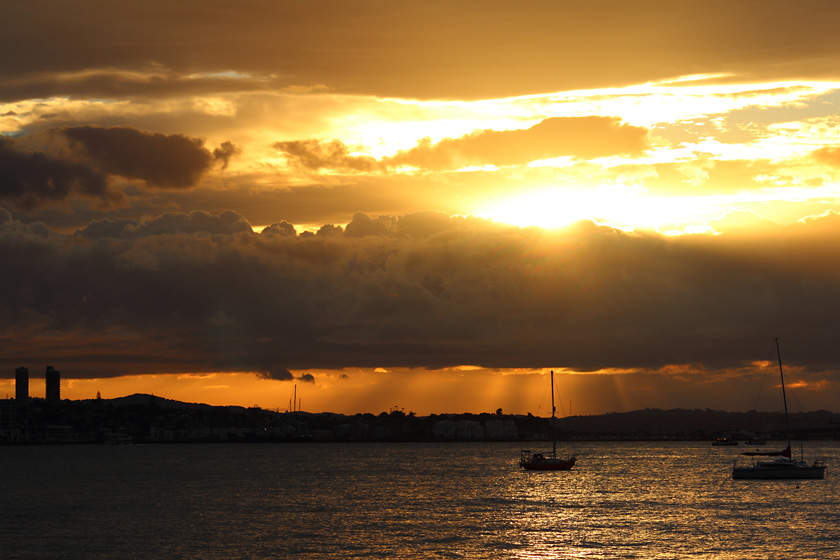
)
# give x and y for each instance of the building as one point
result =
(53, 385)
(22, 385)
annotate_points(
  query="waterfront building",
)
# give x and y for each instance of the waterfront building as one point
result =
(21, 385)
(53, 385)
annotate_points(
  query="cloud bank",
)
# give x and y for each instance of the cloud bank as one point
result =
(200, 292)
(479, 49)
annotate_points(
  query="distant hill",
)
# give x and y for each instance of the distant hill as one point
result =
(149, 418)
(144, 399)
(696, 424)
(647, 423)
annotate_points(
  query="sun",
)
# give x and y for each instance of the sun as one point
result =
(622, 206)
(547, 208)
(552, 207)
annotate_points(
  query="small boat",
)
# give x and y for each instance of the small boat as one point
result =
(784, 466)
(547, 460)
(119, 439)
(724, 441)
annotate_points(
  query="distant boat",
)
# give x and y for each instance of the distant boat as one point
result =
(724, 441)
(119, 439)
(547, 460)
(783, 467)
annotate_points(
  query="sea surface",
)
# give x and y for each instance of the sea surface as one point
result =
(407, 500)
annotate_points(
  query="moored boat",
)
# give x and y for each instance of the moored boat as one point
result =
(781, 468)
(547, 460)
(784, 466)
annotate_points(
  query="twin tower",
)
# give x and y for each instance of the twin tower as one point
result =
(53, 377)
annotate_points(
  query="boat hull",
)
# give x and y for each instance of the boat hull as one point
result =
(548, 464)
(779, 473)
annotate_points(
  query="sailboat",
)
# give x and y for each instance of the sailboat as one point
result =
(784, 466)
(547, 461)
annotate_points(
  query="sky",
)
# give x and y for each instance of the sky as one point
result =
(425, 206)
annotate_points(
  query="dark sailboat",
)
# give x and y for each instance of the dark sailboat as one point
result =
(547, 460)
(784, 466)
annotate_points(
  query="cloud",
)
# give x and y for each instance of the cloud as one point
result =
(279, 374)
(283, 228)
(828, 155)
(480, 49)
(42, 168)
(197, 222)
(193, 292)
(743, 222)
(29, 180)
(164, 161)
(314, 155)
(362, 225)
(580, 137)
(224, 152)
(143, 82)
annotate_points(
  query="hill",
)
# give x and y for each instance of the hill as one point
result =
(147, 418)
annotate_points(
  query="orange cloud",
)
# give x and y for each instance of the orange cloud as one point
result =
(314, 155)
(580, 137)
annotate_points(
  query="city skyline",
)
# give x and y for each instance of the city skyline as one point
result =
(426, 206)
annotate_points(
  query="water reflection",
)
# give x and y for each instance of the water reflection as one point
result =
(622, 500)
(649, 500)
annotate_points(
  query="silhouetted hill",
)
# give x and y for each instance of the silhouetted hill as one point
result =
(144, 399)
(694, 424)
(148, 418)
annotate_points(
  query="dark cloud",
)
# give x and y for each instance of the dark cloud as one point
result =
(433, 49)
(165, 161)
(314, 155)
(278, 374)
(330, 230)
(226, 223)
(56, 172)
(30, 179)
(283, 228)
(197, 292)
(362, 225)
(224, 152)
(135, 80)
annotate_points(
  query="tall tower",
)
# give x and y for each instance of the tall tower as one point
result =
(21, 385)
(53, 385)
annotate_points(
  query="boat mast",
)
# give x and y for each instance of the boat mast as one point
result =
(784, 397)
(553, 437)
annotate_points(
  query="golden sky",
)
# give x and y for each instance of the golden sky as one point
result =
(422, 205)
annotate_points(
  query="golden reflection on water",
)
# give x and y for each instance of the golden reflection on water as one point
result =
(409, 501)
(666, 500)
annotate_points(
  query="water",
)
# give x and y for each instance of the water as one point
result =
(313, 501)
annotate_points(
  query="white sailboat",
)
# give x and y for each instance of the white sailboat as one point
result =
(547, 460)
(784, 466)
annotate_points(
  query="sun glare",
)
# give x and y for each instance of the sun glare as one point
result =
(622, 206)
(546, 208)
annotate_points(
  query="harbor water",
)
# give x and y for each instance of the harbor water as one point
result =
(407, 500)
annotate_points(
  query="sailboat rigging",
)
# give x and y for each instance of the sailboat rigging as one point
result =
(784, 466)
(547, 461)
